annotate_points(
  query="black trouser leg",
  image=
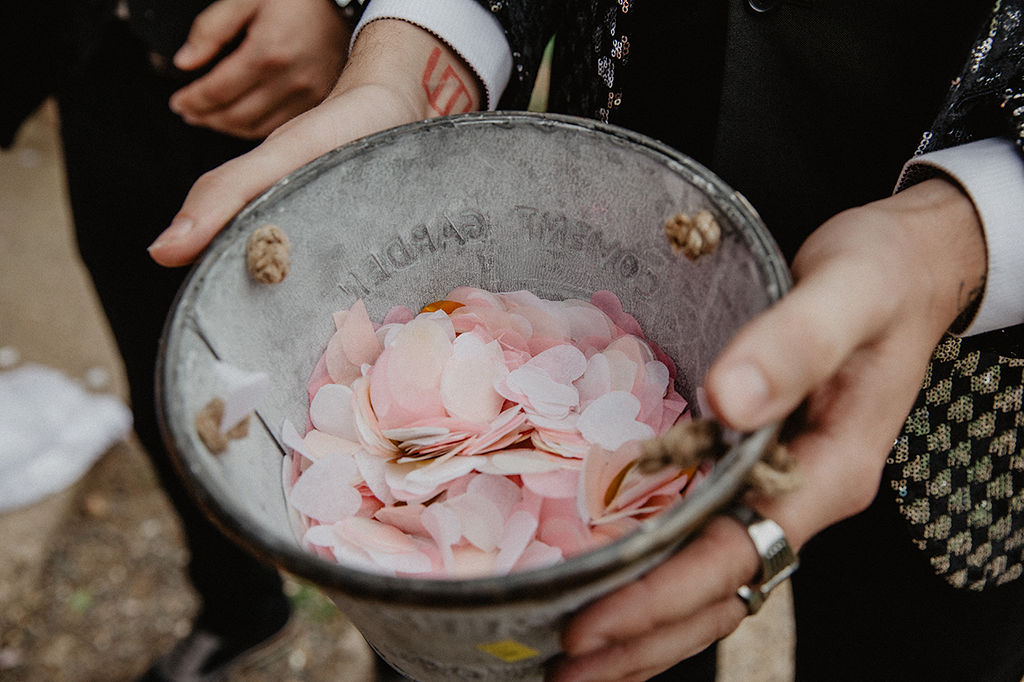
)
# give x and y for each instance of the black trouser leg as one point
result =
(868, 607)
(130, 162)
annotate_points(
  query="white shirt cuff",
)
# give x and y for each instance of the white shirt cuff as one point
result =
(465, 26)
(991, 172)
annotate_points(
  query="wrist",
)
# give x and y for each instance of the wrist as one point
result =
(421, 71)
(946, 240)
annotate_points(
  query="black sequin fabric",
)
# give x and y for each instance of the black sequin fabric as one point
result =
(957, 471)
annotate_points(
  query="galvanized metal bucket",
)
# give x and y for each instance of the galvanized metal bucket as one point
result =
(556, 205)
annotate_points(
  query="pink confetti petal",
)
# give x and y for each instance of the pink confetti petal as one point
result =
(595, 381)
(555, 427)
(405, 382)
(438, 472)
(291, 438)
(481, 520)
(651, 393)
(562, 484)
(373, 471)
(602, 473)
(587, 321)
(564, 529)
(504, 430)
(331, 412)
(563, 363)
(413, 433)
(610, 421)
(564, 444)
(472, 562)
(388, 548)
(542, 322)
(538, 555)
(467, 381)
(610, 304)
(445, 527)
(403, 563)
(537, 392)
(320, 444)
(406, 518)
(340, 368)
(522, 461)
(318, 378)
(611, 530)
(326, 491)
(359, 339)
(516, 535)
(374, 535)
(499, 490)
(367, 425)
(320, 535)
(638, 488)
(673, 407)
(471, 296)
(399, 314)
(622, 370)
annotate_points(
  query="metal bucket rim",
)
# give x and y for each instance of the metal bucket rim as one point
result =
(658, 534)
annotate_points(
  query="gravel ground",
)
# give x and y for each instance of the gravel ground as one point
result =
(91, 579)
(111, 594)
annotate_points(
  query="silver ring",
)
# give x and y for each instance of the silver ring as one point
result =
(778, 560)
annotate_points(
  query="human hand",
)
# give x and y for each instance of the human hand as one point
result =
(875, 289)
(289, 57)
(395, 74)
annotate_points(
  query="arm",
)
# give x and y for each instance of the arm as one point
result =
(876, 287)
(397, 73)
(289, 56)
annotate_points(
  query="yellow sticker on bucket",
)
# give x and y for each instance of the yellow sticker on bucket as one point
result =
(508, 650)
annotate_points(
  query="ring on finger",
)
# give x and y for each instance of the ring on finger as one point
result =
(778, 560)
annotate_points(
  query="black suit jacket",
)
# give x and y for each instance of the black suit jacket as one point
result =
(807, 109)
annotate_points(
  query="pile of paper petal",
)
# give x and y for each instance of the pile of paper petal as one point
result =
(52, 430)
(488, 433)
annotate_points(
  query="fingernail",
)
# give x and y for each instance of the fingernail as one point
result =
(177, 230)
(742, 392)
(184, 56)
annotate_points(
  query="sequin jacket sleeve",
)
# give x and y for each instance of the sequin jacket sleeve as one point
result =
(987, 99)
(983, 108)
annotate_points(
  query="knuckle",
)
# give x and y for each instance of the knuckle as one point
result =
(274, 56)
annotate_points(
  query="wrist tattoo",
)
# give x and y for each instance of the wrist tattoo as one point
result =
(969, 303)
(446, 92)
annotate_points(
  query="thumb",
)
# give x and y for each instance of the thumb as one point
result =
(214, 200)
(212, 29)
(219, 194)
(783, 355)
(210, 204)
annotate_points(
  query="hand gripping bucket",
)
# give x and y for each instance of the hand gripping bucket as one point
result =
(558, 206)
